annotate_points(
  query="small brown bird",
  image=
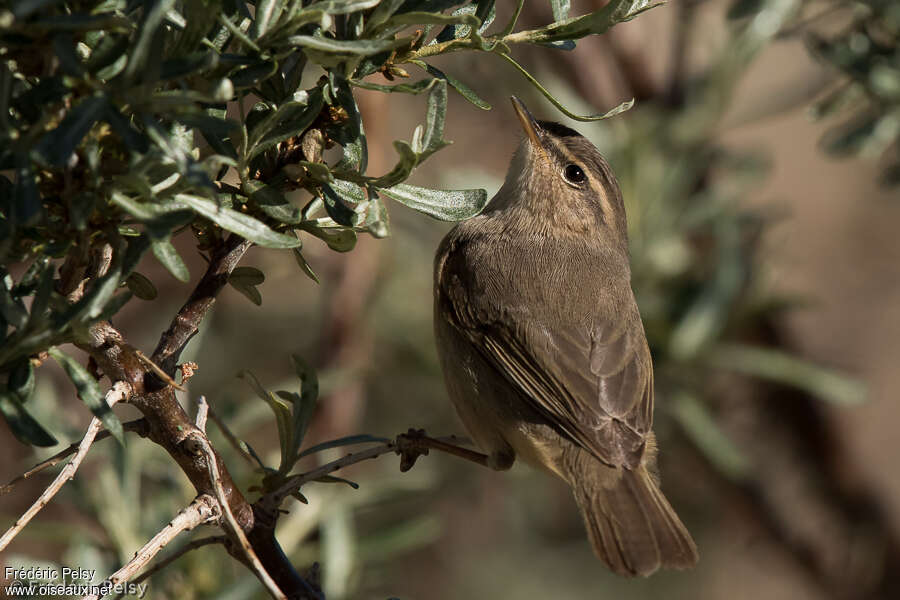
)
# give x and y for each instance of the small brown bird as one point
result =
(543, 349)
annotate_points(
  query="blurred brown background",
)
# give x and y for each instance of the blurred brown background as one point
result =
(448, 530)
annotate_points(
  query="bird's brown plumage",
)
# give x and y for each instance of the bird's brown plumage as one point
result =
(543, 348)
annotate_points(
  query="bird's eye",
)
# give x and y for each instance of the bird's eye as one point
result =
(574, 174)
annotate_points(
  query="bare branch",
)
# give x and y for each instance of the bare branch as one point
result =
(187, 321)
(409, 446)
(202, 412)
(230, 523)
(139, 426)
(120, 391)
(192, 545)
(158, 371)
(202, 510)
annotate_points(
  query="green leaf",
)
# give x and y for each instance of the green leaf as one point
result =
(272, 202)
(58, 144)
(706, 434)
(245, 280)
(597, 117)
(239, 223)
(248, 291)
(168, 256)
(288, 120)
(377, 221)
(343, 441)
(345, 202)
(343, 7)
(351, 134)
(416, 87)
(337, 238)
(11, 309)
(25, 427)
(464, 90)
(304, 266)
(283, 418)
(776, 365)
(560, 9)
(353, 47)
(425, 141)
(595, 23)
(21, 379)
(141, 287)
(93, 303)
(444, 205)
(267, 11)
(309, 395)
(334, 479)
(89, 392)
(382, 12)
(142, 50)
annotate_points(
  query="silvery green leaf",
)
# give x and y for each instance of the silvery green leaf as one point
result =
(337, 238)
(350, 134)
(288, 120)
(445, 205)
(282, 410)
(89, 392)
(377, 221)
(309, 396)
(382, 12)
(416, 87)
(344, 441)
(236, 222)
(304, 265)
(560, 9)
(594, 23)
(272, 202)
(358, 47)
(345, 202)
(25, 427)
(58, 144)
(464, 90)
(168, 256)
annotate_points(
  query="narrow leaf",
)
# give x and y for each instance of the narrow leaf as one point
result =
(779, 366)
(25, 427)
(445, 205)
(89, 392)
(239, 223)
(166, 254)
(141, 287)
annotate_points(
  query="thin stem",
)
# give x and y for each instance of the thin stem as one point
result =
(512, 22)
(201, 510)
(192, 545)
(231, 524)
(409, 445)
(139, 426)
(597, 117)
(187, 322)
(119, 391)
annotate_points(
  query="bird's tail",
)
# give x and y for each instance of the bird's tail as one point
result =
(631, 525)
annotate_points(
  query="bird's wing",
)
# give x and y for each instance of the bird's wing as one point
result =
(594, 384)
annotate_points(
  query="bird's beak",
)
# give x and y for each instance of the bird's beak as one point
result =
(528, 124)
